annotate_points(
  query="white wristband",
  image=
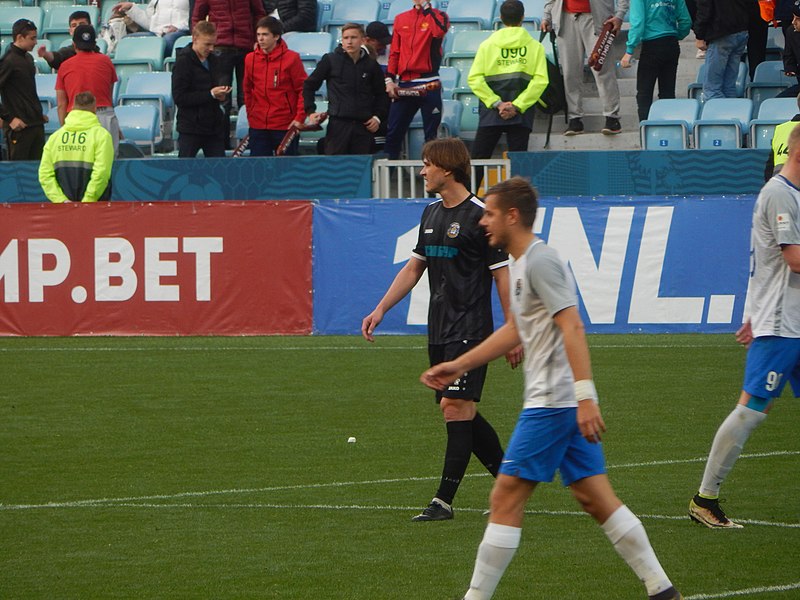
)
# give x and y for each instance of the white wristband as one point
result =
(585, 390)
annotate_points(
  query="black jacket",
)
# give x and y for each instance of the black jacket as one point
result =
(791, 52)
(296, 15)
(356, 90)
(718, 18)
(18, 88)
(199, 113)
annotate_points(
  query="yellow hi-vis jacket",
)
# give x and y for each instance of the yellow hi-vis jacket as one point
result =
(510, 66)
(780, 143)
(77, 159)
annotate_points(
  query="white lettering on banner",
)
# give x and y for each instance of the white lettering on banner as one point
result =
(9, 271)
(646, 305)
(115, 276)
(107, 271)
(420, 295)
(39, 277)
(599, 282)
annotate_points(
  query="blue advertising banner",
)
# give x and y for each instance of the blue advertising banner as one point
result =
(644, 264)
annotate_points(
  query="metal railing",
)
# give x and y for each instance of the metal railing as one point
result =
(401, 178)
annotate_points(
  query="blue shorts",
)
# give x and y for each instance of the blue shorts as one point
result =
(546, 439)
(771, 362)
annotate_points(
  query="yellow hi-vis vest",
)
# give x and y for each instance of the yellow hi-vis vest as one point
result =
(780, 143)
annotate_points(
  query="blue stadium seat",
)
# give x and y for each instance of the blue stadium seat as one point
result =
(775, 43)
(46, 87)
(695, 89)
(470, 14)
(534, 11)
(324, 12)
(462, 53)
(469, 114)
(145, 52)
(242, 125)
(772, 112)
(56, 21)
(52, 123)
(140, 125)
(723, 123)
(451, 118)
(100, 42)
(362, 11)
(450, 78)
(38, 61)
(311, 46)
(769, 80)
(669, 124)
(9, 15)
(150, 88)
(180, 43)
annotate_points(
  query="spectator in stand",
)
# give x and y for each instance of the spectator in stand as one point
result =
(577, 24)
(357, 100)
(780, 146)
(166, 18)
(658, 25)
(296, 15)
(721, 30)
(21, 110)
(414, 59)
(273, 90)
(378, 40)
(236, 26)
(77, 159)
(56, 57)
(198, 92)
(791, 53)
(88, 71)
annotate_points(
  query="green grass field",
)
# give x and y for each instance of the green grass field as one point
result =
(220, 468)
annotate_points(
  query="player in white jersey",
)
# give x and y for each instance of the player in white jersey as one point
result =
(560, 425)
(771, 330)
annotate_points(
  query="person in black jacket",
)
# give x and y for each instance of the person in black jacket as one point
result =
(357, 97)
(296, 15)
(21, 110)
(201, 120)
(721, 29)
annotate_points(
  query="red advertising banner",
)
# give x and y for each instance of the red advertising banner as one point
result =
(186, 268)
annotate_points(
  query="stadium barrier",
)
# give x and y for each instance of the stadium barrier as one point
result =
(401, 178)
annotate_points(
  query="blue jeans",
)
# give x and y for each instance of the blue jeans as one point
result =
(722, 65)
(169, 38)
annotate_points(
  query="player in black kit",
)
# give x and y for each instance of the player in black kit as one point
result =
(453, 247)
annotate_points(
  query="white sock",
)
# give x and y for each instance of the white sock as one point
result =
(728, 443)
(499, 544)
(630, 541)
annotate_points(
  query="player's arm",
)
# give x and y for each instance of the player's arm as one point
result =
(403, 283)
(590, 422)
(791, 254)
(47, 177)
(537, 67)
(61, 103)
(476, 79)
(515, 355)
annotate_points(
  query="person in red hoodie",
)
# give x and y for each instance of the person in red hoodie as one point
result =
(273, 89)
(236, 23)
(414, 58)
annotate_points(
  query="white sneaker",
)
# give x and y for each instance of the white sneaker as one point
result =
(701, 54)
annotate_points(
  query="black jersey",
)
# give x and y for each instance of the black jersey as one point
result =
(459, 261)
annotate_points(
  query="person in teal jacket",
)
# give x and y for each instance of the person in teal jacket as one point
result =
(658, 25)
(77, 159)
(508, 76)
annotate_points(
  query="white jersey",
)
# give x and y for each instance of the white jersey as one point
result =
(541, 286)
(773, 291)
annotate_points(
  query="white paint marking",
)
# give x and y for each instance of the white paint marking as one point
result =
(746, 592)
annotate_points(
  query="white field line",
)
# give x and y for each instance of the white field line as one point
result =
(746, 592)
(138, 500)
(365, 347)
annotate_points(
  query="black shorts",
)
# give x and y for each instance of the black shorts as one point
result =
(470, 385)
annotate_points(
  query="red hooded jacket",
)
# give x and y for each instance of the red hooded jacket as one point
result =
(273, 88)
(235, 20)
(416, 49)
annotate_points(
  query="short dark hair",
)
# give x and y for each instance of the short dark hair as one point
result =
(204, 28)
(512, 12)
(22, 27)
(450, 154)
(358, 26)
(274, 25)
(79, 15)
(84, 101)
(518, 193)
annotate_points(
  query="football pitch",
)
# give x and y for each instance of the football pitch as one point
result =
(220, 468)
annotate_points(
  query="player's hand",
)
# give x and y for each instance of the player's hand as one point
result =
(616, 23)
(789, 73)
(295, 123)
(370, 322)
(590, 422)
(745, 334)
(546, 25)
(701, 44)
(625, 61)
(46, 118)
(391, 89)
(372, 124)
(439, 376)
(17, 124)
(514, 357)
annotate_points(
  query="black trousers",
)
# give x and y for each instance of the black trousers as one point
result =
(231, 60)
(658, 62)
(190, 144)
(486, 139)
(346, 136)
(25, 144)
